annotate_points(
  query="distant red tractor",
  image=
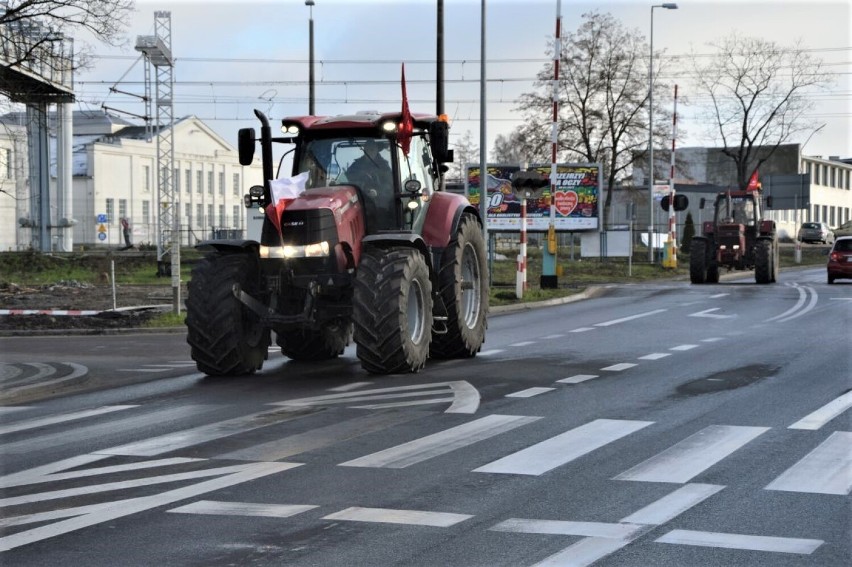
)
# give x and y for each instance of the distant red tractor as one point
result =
(369, 247)
(738, 238)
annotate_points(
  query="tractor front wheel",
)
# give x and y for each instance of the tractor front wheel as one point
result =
(764, 262)
(698, 261)
(225, 336)
(392, 310)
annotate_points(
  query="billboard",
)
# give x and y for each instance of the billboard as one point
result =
(576, 198)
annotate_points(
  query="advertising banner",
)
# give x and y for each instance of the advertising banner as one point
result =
(576, 198)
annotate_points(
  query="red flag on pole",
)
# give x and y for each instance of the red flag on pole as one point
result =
(753, 183)
(406, 125)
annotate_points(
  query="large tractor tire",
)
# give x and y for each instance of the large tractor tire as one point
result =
(698, 261)
(226, 337)
(392, 310)
(765, 262)
(310, 345)
(463, 285)
(712, 272)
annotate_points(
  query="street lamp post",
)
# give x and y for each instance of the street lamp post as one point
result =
(310, 4)
(667, 6)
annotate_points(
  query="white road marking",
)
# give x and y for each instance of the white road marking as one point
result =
(630, 318)
(213, 508)
(581, 330)
(683, 347)
(590, 549)
(465, 396)
(318, 438)
(523, 343)
(349, 387)
(77, 371)
(826, 413)
(718, 295)
(7, 410)
(693, 455)
(491, 352)
(195, 436)
(61, 418)
(561, 527)
(708, 313)
(564, 448)
(619, 367)
(7, 482)
(673, 504)
(149, 370)
(577, 378)
(529, 392)
(388, 516)
(825, 470)
(109, 511)
(556, 336)
(440, 443)
(712, 340)
(738, 541)
(798, 309)
(655, 356)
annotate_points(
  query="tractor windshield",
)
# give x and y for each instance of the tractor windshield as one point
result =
(378, 168)
(735, 209)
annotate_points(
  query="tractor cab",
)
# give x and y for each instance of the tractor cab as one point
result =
(737, 208)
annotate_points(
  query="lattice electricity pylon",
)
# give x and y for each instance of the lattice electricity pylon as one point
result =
(158, 53)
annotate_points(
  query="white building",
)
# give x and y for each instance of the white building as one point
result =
(114, 178)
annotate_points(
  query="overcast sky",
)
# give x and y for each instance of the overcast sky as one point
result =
(232, 57)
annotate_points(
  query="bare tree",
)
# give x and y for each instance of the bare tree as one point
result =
(758, 95)
(603, 100)
(35, 35)
(465, 152)
(508, 149)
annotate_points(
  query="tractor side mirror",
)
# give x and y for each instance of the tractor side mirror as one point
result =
(769, 202)
(245, 145)
(439, 138)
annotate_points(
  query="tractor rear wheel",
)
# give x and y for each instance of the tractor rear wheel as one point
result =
(392, 310)
(464, 288)
(698, 261)
(764, 262)
(225, 336)
(311, 345)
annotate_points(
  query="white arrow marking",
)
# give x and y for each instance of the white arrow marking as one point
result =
(465, 397)
(709, 315)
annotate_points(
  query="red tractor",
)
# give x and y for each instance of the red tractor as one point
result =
(738, 238)
(368, 246)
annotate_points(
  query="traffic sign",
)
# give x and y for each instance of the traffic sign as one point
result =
(103, 218)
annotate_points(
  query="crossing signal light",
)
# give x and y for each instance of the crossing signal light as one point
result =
(681, 202)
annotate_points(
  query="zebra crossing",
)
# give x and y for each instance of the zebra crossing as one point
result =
(120, 471)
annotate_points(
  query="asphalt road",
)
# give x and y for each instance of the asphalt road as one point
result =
(657, 424)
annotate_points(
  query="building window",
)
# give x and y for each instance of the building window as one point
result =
(146, 178)
(199, 214)
(199, 182)
(210, 218)
(188, 176)
(237, 223)
(122, 208)
(236, 185)
(110, 210)
(146, 212)
(177, 180)
(210, 183)
(9, 163)
(833, 176)
(222, 221)
(222, 183)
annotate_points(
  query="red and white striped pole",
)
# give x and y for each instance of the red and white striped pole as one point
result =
(521, 274)
(672, 259)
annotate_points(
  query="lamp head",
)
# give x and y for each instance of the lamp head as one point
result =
(666, 5)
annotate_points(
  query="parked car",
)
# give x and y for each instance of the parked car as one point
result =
(815, 232)
(840, 260)
(844, 229)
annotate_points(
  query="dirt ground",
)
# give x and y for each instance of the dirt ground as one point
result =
(79, 296)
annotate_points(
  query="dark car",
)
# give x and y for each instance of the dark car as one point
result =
(815, 232)
(840, 260)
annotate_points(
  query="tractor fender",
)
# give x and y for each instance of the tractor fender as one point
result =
(228, 246)
(443, 218)
(399, 239)
(766, 228)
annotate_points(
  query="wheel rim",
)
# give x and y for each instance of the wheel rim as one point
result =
(414, 312)
(470, 288)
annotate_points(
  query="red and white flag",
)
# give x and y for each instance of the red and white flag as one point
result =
(753, 183)
(284, 191)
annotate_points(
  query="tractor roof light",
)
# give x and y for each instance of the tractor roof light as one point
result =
(389, 126)
(289, 129)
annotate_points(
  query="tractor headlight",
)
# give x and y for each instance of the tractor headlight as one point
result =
(317, 250)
